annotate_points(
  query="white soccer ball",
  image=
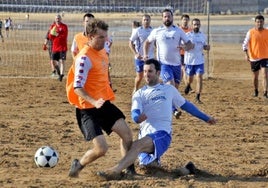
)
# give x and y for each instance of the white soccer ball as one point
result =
(46, 156)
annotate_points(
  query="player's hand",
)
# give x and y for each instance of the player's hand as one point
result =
(207, 47)
(142, 118)
(211, 121)
(98, 103)
(44, 47)
(247, 58)
(145, 58)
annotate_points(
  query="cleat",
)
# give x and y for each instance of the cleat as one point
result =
(61, 77)
(256, 93)
(198, 101)
(108, 177)
(191, 167)
(177, 114)
(76, 167)
(130, 170)
(187, 89)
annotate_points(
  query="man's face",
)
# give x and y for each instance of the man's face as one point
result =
(259, 23)
(196, 26)
(146, 21)
(58, 19)
(150, 74)
(184, 22)
(86, 20)
(167, 19)
(98, 40)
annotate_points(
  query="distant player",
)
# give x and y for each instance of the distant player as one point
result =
(255, 46)
(80, 39)
(185, 18)
(58, 33)
(194, 59)
(136, 42)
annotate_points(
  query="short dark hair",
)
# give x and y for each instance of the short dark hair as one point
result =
(196, 20)
(167, 10)
(155, 62)
(185, 16)
(88, 15)
(94, 24)
(259, 17)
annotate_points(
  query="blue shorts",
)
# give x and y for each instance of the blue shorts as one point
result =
(161, 140)
(170, 72)
(139, 65)
(191, 70)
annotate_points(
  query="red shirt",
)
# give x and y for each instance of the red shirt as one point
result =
(58, 34)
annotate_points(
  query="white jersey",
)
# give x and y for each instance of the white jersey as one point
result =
(168, 40)
(195, 56)
(156, 102)
(138, 37)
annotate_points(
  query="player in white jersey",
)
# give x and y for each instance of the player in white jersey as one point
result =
(194, 59)
(136, 42)
(168, 38)
(151, 109)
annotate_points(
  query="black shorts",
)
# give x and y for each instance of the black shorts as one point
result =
(59, 55)
(92, 121)
(256, 65)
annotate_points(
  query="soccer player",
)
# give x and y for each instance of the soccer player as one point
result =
(58, 33)
(185, 18)
(136, 42)
(168, 39)
(151, 109)
(89, 91)
(255, 46)
(194, 59)
(80, 39)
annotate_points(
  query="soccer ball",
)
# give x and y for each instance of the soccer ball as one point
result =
(46, 156)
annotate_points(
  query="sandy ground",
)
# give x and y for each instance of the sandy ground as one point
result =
(232, 153)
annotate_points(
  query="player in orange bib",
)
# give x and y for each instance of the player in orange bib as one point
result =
(80, 39)
(185, 18)
(255, 46)
(89, 91)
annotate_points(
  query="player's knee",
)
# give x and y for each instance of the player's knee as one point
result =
(101, 151)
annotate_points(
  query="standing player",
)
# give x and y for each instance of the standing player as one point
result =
(255, 46)
(168, 40)
(58, 33)
(136, 42)
(89, 91)
(80, 39)
(7, 27)
(194, 59)
(185, 18)
(151, 109)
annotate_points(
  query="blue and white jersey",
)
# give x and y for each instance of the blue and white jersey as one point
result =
(168, 40)
(195, 56)
(138, 36)
(156, 102)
